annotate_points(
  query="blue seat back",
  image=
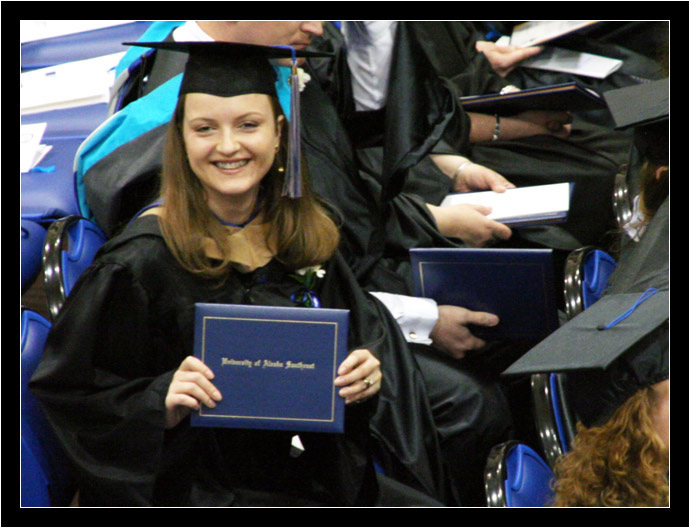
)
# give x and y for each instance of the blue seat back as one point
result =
(598, 266)
(586, 274)
(528, 478)
(561, 412)
(35, 491)
(70, 247)
(84, 241)
(81, 45)
(45, 470)
(32, 236)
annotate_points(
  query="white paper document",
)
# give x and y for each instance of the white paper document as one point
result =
(575, 62)
(524, 205)
(68, 85)
(31, 152)
(535, 32)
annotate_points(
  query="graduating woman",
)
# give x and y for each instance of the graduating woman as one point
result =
(118, 381)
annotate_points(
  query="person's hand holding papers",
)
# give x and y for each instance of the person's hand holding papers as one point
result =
(504, 59)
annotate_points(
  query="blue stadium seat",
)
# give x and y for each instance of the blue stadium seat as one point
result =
(622, 204)
(46, 479)
(79, 46)
(45, 197)
(554, 419)
(49, 194)
(516, 476)
(587, 271)
(76, 122)
(598, 266)
(35, 491)
(586, 275)
(71, 244)
(32, 236)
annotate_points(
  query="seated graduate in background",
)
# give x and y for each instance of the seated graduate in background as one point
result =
(375, 239)
(530, 149)
(615, 356)
(621, 458)
(641, 63)
(647, 178)
(617, 368)
(119, 391)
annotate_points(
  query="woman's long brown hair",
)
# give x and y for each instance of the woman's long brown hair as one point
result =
(303, 232)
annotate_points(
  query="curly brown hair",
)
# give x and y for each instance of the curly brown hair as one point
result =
(622, 463)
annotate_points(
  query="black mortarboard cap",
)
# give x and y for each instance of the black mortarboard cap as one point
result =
(228, 69)
(646, 108)
(609, 351)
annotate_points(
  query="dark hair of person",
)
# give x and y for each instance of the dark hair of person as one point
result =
(653, 191)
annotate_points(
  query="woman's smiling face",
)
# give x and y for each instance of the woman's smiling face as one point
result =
(231, 143)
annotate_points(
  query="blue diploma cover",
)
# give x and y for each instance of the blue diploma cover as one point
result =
(517, 285)
(274, 366)
(571, 96)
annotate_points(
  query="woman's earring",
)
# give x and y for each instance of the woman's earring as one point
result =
(281, 169)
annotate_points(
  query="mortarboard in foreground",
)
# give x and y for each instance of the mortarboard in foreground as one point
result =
(611, 350)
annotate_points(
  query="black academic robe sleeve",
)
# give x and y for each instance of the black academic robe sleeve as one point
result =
(97, 385)
(450, 46)
(108, 364)
(402, 427)
(371, 229)
(422, 109)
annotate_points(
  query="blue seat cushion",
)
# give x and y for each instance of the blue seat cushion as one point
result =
(32, 237)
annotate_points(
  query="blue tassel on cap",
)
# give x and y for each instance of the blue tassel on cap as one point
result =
(293, 171)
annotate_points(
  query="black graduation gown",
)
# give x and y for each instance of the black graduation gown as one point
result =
(110, 358)
(452, 49)
(421, 112)
(470, 411)
(591, 156)
(645, 264)
(375, 242)
(376, 233)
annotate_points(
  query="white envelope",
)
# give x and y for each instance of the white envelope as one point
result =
(31, 152)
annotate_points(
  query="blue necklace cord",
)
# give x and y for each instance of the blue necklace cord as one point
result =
(230, 224)
(642, 298)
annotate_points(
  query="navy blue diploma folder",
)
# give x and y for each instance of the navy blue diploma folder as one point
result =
(571, 96)
(274, 366)
(517, 285)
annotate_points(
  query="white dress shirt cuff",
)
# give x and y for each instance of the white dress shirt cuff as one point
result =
(416, 316)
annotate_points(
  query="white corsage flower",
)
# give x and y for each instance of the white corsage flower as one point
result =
(312, 270)
(304, 78)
